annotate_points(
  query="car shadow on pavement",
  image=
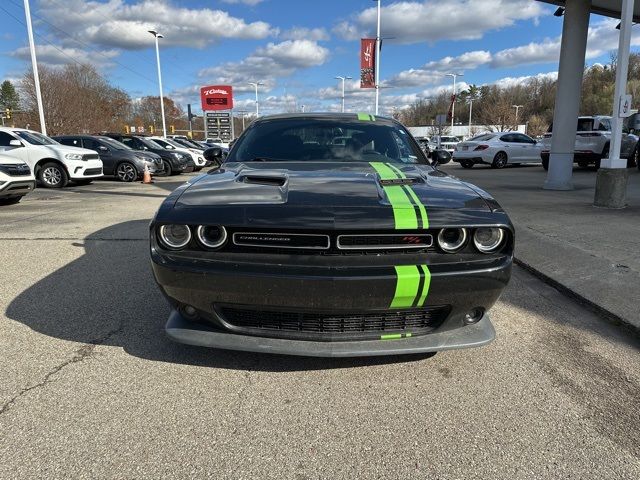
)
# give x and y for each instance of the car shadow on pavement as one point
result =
(108, 297)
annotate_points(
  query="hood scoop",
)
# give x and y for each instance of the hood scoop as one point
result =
(261, 179)
(400, 181)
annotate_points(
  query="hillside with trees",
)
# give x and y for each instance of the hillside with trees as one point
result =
(492, 105)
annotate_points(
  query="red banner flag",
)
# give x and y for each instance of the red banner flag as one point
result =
(368, 63)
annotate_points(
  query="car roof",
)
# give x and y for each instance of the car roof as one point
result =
(346, 117)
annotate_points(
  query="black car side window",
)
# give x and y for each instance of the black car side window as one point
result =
(5, 139)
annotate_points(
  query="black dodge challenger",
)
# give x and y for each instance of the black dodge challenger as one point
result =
(330, 235)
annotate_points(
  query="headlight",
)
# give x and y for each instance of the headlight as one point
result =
(73, 156)
(175, 237)
(452, 239)
(488, 239)
(211, 236)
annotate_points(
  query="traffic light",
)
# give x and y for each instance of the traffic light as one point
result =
(8, 113)
(127, 130)
(190, 116)
(190, 134)
(172, 129)
(151, 129)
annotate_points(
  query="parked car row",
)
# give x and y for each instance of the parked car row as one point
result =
(29, 158)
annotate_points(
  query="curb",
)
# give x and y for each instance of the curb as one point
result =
(610, 317)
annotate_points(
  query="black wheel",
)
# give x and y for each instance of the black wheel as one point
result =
(500, 160)
(83, 182)
(466, 163)
(545, 163)
(10, 201)
(126, 172)
(167, 168)
(52, 175)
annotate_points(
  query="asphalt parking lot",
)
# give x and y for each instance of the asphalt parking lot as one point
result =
(90, 387)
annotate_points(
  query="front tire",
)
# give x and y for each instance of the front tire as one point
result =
(545, 163)
(500, 160)
(126, 172)
(466, 164)
(52, 175)
(168, 171)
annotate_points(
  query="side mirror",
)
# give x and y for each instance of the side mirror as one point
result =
(440, 157)
(213, 154)
(102, 148)
(15, 143)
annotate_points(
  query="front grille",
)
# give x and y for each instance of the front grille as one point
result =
(281, 240)
(16, 170)
(385, 241)
(90, 156)
(332, 326)
(92, 171)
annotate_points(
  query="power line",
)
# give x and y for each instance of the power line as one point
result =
(84, 44)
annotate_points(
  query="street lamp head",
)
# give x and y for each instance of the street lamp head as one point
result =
(155, 34)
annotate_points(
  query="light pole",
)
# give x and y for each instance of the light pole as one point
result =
(470, 111)
(343, 79)
(256, 85)
(34, 64)
(243, 113)
(517, 107)
(164, 123)
(377, 64)
(453, 101)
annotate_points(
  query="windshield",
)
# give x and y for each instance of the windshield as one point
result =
(114, 143)
(301, 139)
(483, 138)
(450, 139)
(35, 138)
(150, 143)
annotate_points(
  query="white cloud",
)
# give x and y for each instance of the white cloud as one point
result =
(508, 82)
(114, 23)
(266, 64)
(432, 20)
(432, 72)
(58, 55)
(302, 33)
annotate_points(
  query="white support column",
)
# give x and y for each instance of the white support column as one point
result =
(612, 177)
(565, 116)
(622, 69)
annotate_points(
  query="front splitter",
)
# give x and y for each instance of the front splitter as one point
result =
(183, 331)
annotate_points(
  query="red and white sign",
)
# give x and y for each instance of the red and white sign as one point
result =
(217, 97)
(368, 63)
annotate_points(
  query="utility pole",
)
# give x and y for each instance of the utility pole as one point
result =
(34, 64)
(164, 123)
(470, 112)
(343, 79)
(255, 85)
(243, 113)
(377, 64)
(517, 107)
(453, 98)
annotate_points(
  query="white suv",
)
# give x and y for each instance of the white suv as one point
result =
(194, 154)
(16, 180)
(53, 164)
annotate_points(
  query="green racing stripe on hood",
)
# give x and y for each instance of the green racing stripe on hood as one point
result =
(404, 212)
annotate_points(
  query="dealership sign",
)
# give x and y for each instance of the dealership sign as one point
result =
(217, 97)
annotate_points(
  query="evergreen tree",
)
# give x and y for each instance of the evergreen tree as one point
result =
(9, 97)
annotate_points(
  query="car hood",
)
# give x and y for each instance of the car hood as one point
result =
(323, 184)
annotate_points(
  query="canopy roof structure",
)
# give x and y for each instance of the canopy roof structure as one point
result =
(608, 8)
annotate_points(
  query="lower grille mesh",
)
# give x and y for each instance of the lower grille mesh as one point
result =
(331, 326)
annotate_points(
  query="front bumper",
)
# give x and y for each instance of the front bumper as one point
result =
(181, 330)
(82, 170)
(16, 188)
(307, 284)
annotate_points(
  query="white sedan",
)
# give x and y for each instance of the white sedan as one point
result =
(498, 149)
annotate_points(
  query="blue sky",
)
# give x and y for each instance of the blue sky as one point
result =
(296, 47)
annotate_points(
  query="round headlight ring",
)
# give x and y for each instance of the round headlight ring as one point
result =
(493, 243)
(171, 239)
(452, 246)
(203, 238)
